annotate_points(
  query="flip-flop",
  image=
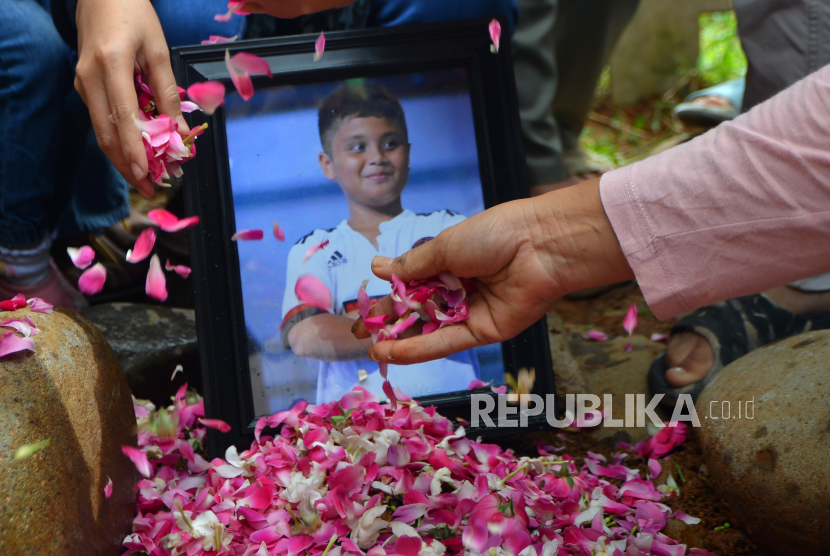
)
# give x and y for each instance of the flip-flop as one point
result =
(694, 113)
(733, 328)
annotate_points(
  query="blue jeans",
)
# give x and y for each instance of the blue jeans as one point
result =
(52, 173)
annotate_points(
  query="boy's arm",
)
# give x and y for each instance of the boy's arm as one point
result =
(328, 338)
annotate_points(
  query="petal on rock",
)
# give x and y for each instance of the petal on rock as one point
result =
(143, 246)
(314, 249)
(209, 95)
(156, 285)
(12, 343)
(217, 424)
(82, 256)
(310, 289)
(139, 459)
(279, 233)
(92, 280)
(248, 235)
(19, 325)
(319, 47)
(108, 488)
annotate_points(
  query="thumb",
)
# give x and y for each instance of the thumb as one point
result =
(165, 91)
(419, 263)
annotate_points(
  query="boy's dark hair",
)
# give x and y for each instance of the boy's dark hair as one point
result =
(357, 101)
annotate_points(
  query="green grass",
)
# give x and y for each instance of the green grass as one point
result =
(721, 56)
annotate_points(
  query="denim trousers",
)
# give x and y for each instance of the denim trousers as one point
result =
(53, 176)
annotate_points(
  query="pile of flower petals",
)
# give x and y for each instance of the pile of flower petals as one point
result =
(10, 342)
(357, 477)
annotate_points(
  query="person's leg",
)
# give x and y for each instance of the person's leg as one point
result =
(534, 62)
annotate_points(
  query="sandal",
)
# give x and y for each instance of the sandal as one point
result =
(733, 328)
(708, 115)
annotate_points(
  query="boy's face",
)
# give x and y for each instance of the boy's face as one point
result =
(369, 159)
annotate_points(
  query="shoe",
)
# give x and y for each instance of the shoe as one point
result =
(54, 289)
(695, 111)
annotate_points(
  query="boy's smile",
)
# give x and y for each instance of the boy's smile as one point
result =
(370, 161)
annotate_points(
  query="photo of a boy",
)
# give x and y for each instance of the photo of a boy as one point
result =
(364, 138)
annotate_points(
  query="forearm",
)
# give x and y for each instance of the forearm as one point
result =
(328, 338)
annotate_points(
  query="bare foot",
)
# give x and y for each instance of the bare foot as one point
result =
(689, 355)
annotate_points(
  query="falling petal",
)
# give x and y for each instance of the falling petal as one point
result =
(659, 337)
(180, 269)
(188, 107)
(12, 343)
(476, 383)
(217, 424)
(242, 82)
(143, 246)
(219, 39)
(39, 305)
(156, 285)
(108, 488)
(364, 303)
(597, 336)
(279, 234)
(362, 375)
(169, 222)
(138, 458)
(383, 368)
(310, 289)
(92, 280)
(178, 369)
(630, 320)
(28, 450)
(209, 95)
(82, 256)
(248, 235)
(251, 64)
(500, 390)
(222, 18)
(390, 393)
(314, 249)
(495, 35)
(319, 46)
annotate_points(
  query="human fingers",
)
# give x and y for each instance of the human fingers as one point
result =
(689, 357)
(419, 263)
(383, 307)
(437, 345)
(160, 79)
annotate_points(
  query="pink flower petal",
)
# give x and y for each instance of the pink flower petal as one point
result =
(223, 17)
(686, 518)
(314, 249)
(476, 383)
(81, 257)
(319, 47)
(108, 488)
(250, 63)
(12, 343)
(629, 347)
(139, 459)
(21, 326)
(364, 303)
(188, 107)
(219, 39)
(311, 290)
(209, 95)
(248, 235)
(156, 285)
(217, 424)
(143, 246)
(401, 326)
(39, 305)
(20, 301)
(242, 82)
(659, 337)
(597, 336)
(630, 320)
(390, 393)
(92, 280)
(279, 234)
(500, 390)
(495, 34)
(180, 269)
(654, 468)
(169, 222)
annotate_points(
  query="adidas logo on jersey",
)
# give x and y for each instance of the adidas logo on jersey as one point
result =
(336, 260)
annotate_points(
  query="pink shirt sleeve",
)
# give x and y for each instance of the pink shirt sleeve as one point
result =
(740, 209)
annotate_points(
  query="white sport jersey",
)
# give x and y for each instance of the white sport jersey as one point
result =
(343, 265)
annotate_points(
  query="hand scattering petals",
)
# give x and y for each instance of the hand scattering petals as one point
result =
(108, 489)
(630, 320)
(279, 234)
(92, 280)
(82, 256)
(180, 269)
(319, 47)
(169, 222)
(156, 284)
(314, 249)
(209, 95)
(143, 246)
(248, 235)
(495, 35)
(311, 290)
(12, 343)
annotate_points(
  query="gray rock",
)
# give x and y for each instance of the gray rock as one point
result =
(771, 465)
(71, 391)
(149, 341)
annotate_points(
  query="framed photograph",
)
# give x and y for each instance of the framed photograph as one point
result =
(391, 137)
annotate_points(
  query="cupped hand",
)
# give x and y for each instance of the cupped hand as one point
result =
(117, 39)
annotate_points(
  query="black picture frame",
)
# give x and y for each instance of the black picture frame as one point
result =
(223, 351)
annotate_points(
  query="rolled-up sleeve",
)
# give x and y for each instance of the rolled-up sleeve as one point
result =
(740, 209)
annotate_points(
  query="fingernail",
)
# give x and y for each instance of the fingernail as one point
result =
(136, 171)
(678, 370)
(372, 354)
(389, 357)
